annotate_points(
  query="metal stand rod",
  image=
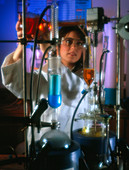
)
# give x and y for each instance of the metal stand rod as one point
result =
(24, 70)
(118, 78)
(118, 88)
(95, 43)
(24, 56)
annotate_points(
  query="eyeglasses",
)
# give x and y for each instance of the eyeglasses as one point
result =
(69, 41)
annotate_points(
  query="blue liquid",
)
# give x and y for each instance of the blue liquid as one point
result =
(54, 101)
(54, 96)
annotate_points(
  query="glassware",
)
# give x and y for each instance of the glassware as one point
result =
(32, 21)
(88, 64)
(94, 125)
(88, 75)
(54, 78)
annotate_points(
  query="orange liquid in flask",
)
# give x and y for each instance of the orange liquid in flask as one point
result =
(88, 75)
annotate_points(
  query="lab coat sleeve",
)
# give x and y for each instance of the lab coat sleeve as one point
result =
(12, 79)
(12, 76)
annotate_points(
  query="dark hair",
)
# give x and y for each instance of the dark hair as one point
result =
(66, 29)
(81, 33)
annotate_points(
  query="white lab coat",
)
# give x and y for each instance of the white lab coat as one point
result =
(71, 89)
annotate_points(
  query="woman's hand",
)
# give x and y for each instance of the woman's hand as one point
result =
(18, 52)
(18, 27)
(44, 34)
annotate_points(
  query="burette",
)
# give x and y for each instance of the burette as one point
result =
(54, 65)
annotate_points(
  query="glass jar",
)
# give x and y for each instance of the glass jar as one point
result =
(94, 125)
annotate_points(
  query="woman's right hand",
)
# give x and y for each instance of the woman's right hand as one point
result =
(43, 35)
(18, 27)
(18, 52)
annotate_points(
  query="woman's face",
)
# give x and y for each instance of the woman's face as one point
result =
(70, 49)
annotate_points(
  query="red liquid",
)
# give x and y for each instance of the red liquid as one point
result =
(32, 26)
(88, 75)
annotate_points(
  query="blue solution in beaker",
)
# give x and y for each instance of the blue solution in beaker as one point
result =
(54, 95)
